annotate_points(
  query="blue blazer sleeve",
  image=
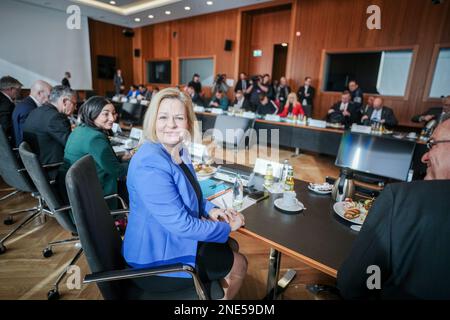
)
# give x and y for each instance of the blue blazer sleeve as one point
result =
(163, 200)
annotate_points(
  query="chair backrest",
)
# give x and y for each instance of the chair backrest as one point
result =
(99, 238)
(230, 130)
(42, 182)
(10, 165)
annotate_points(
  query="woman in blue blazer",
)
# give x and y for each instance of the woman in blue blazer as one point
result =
(169, 220)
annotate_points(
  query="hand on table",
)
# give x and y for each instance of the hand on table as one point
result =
(346, 113)
(230, 216)
(365, 117)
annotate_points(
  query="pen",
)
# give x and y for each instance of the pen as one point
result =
(224, 203)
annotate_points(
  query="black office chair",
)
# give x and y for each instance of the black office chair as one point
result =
(236, 138)
(16, 176)
(53, 207)
(102, 246)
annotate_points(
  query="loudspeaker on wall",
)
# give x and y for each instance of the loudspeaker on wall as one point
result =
(228, 45)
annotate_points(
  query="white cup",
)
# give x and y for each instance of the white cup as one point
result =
(289, 198)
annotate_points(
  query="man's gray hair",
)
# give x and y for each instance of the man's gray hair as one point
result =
(8, 82)
(60, 91)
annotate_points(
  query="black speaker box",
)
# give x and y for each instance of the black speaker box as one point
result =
(137, 53)
(228, 45)
(128, 33)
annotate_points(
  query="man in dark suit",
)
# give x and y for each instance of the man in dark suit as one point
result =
(196, 84)
(196, 99)
(266, 106)
(118, 82)
(39, 93)
(243, 83)
(379, 113)
(306, 95)
(402, 251)
(47, 128)
(9, 91)
(65, 81)
(241, 103)
(356, 94)
(344, 111)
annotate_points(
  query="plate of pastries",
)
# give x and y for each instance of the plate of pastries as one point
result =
(204, 170)
(353, 211)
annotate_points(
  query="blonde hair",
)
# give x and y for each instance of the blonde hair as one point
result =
(149, 128)
(292, 94)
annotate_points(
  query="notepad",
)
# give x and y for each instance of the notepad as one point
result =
(212, 188)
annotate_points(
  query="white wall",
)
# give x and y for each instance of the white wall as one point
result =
(36, 44)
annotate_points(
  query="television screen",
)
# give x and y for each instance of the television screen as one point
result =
(382, 156)
(159, 71)
(106, 67)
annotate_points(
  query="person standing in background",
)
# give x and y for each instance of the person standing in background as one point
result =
(118, 82)
(306, 95)
(65, 81)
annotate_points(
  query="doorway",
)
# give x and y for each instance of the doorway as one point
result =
(280, 52)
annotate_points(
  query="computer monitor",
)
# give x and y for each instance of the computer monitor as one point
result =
(381, 156)
(133, 113)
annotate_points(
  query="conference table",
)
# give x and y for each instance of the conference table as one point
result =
(324, 141)
(316, 236)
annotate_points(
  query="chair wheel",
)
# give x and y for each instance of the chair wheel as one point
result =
(2, 249)
(8, 221)
(53, 294)
(47, 252)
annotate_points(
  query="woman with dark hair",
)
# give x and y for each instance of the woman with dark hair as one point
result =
(96, 116)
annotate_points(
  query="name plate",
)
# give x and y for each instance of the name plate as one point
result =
(124, 99)
(317, 123)
(216, 111)
(249, 115)
(361, 129)
(115, 99)
(145, 102)
(199, 109)
(271, 117)
(133, 101)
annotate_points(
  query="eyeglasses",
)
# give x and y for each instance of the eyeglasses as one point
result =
(431, 143)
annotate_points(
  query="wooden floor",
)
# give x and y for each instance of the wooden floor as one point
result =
(26, 274)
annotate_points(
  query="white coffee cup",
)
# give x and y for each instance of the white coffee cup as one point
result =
(289, 198)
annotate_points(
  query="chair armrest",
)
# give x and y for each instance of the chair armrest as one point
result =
(65, 208)
(146, 272)
(120, 211)
(51, 165)
(111, 196)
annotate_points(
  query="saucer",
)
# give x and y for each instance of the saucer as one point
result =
(289, 209)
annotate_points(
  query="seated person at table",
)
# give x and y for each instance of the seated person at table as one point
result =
(195, 97)
(196, 84)
(240, 102)
(47, 127)
(405, 235)
(142, 91)
(379, 113)
(368, 105)
(97, 116)
(266, 106)
(292, 107)
(432, 113)
(170, 221)
(133, 93)
(219, 101)
(344, 111)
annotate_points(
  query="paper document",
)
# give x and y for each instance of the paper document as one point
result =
(228, 198)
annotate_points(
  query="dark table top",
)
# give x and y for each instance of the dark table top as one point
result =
(317, 236)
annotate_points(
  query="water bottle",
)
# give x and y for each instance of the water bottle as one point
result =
(284, 172)
(238, 193)
(268, 178)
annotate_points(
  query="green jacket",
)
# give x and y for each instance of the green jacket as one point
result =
(85, 140)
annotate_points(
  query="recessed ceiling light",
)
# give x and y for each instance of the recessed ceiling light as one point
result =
(137, 19)
(168, 12)
(209, 3)
(151, 16)
(187, 8)
(284, 44)
(112, 2)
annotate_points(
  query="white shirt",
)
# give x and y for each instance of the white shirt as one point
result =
(239, 103)
(376, 114)
(343, 106)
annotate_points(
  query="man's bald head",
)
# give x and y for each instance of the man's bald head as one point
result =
(40, 90)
